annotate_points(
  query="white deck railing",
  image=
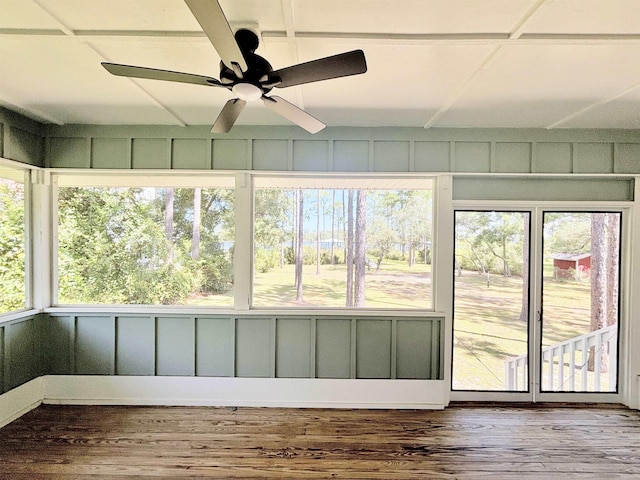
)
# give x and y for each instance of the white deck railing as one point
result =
(565, 365)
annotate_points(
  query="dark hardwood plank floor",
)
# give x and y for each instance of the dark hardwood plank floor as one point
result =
(461, 442)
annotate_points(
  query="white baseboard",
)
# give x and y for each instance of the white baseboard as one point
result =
(215, 391)
(20, 400)
(254, 392)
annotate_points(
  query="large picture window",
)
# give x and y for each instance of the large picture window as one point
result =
(13, 278)
(342, 242)
(163, 245)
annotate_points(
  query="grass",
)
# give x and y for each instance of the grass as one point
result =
(487, 329)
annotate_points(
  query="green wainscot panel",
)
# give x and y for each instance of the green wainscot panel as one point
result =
(473, 157)
(351, 156)
(373, 348)
(110, 153)
(21, 342)
(414, 344)
(593, 158)
(230, 154)
(68, 153)
(25, 146)
(175, 348)
(95, 345)
(333, 348)
(190, 153)
(294, 353)
(61, 335)
(311, 155)
(270, 155)
(254, 341)
(391, 156)
(135, 352)
(214, 346)
(553, 157)
(627, 158)
(432, 156)
(513, 157)
(2, 359)
(150, 153)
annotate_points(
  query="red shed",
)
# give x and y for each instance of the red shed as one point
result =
(571, 265)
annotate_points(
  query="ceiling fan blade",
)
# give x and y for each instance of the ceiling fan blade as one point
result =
(211, 18)
(155, 74)
(293, 113)
(228, 116)
(341, 65)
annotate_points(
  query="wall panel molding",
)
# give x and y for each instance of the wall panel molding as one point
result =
(350, 149)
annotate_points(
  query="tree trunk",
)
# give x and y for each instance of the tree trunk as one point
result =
(318, 235)
(349, 249)
(524, 312)
(195, 241)
(168, 221)
(333, 225)
(613, 255)
(598, 278)
(299, 250)
(360, 254)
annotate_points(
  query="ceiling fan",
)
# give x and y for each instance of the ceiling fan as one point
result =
(248, 75)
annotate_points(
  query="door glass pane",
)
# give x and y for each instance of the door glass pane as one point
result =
(581, 255)
(491, 297)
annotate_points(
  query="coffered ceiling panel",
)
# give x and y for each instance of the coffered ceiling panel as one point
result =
(431, 63)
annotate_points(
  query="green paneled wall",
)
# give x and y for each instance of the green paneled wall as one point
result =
(245, 346)
(350, 149)
(22, 357)
(21, 139)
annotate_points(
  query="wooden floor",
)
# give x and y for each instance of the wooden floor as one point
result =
(461, 442)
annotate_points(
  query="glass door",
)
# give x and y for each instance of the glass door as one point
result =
(580, 301)
(491, 340)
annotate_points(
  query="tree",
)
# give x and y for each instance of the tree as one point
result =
(195, 241)
(12, 242)
(168, 222)
(349, 249)
(360, 249)
(598, 277)
(299, 250)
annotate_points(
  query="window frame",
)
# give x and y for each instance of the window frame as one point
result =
(126, 179)
(243, 265)
(370, 181)
(25, 171)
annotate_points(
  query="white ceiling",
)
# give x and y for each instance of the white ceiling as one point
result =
(431, 63)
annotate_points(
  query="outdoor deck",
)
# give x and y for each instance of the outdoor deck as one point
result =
(461, 442)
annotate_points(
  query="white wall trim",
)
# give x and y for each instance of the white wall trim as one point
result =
(21, 400)
(244, 392)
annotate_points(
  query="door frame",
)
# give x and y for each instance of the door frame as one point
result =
(534, 393)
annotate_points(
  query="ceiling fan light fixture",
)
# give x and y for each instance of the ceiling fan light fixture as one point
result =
(247, 91)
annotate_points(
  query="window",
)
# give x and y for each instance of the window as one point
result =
(13, 278)
(145, 244)
(342, 242)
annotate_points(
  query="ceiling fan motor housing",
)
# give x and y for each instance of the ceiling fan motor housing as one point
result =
(258, 68)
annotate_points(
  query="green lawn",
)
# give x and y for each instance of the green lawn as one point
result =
(487, 329)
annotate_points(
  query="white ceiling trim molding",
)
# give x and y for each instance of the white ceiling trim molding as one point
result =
(594, 105)
(71, 34)
(498, 39)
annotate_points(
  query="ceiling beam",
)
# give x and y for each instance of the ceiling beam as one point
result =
(66, 30)
(515, 35)
(497, 39)
(290, 35)
(599, 103)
